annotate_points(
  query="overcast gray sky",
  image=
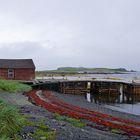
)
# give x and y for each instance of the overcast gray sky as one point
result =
(88, 33)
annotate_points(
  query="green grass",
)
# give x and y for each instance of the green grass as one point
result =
(72, 121)
(115, 131)
(42, 132)
(44, 135)
(13, 87)
(10, 122)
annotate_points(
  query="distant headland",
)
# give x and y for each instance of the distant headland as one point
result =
(84, 70)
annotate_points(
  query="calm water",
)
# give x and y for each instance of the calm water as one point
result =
(116, 101)
(127, 76)
(120, 101)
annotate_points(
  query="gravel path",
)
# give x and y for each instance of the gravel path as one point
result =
(64, 130)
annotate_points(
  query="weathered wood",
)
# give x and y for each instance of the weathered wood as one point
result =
(19, 74)
(103, 87)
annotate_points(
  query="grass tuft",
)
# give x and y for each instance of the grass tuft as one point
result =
(10, 122)
(74, 122)
(42, 132)
(115, 131)
(45, 135)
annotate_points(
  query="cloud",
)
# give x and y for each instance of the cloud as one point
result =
(71, 33)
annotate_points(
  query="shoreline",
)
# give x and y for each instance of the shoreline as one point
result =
(64, 130)
(80, 101)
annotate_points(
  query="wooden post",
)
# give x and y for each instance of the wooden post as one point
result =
(123, 97)
(88, 93)
(109, 88)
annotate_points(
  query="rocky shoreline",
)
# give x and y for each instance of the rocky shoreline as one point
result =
(65, 130)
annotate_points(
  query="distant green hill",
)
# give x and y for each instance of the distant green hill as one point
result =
(82, 69)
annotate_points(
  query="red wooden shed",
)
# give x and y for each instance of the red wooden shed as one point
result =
(17, 69)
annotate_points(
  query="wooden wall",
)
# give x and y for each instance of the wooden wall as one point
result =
(19, 74)
(73, 87)
(81, 87)
(134, 89)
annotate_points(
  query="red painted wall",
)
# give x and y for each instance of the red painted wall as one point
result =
(19, 74)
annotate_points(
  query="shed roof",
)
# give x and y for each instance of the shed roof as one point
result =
(16, 63)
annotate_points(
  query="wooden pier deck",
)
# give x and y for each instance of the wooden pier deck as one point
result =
(85, 86)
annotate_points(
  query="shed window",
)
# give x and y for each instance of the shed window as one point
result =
(10, 73)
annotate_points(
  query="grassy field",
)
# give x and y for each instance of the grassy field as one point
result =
(11, 86)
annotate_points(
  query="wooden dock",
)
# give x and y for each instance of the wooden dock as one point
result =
(93, 86)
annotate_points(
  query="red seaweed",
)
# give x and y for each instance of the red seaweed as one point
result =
(55, 105)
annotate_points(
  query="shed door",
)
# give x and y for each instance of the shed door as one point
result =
(10, 73)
